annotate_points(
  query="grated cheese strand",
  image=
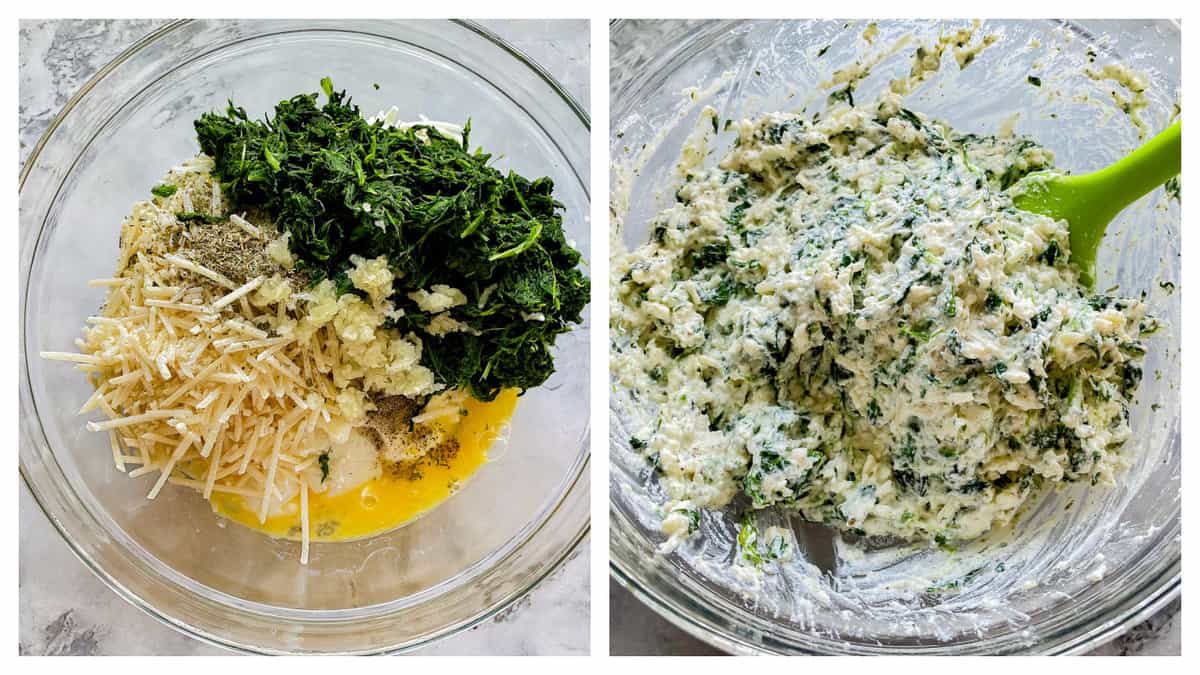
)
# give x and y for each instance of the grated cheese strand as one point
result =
(304, 536)
(220, 386)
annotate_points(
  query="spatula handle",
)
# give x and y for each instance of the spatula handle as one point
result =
(1143, 169)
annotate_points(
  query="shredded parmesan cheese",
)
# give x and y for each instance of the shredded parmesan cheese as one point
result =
(237, 294)
(235, 388)
(304, 536)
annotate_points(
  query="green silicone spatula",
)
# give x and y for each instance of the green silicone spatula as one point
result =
(1089, 202)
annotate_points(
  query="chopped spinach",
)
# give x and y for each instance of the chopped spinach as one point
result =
(846, 95)
(912, 118)
(1051, 253)
(710, 255)
(442, 214)
(873, 411)
(194, 217)
(720, 295)
(752, 549)
(323, 462)
(992, 302)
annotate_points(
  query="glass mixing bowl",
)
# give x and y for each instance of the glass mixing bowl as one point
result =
(1056, 584)
(516, 520)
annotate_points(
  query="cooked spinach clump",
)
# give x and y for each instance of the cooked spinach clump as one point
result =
(342, 186)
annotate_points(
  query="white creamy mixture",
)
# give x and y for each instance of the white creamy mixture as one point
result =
(847, 318)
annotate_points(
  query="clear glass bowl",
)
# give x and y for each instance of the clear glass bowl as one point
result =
(517, 519)
(1068, 583)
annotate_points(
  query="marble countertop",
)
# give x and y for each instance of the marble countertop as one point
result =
(64, 609)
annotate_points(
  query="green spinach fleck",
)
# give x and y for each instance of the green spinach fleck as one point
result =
(323, 462)
(1051, 253)
(195, 217)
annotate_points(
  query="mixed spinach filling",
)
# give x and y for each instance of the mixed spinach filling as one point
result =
(846, 317)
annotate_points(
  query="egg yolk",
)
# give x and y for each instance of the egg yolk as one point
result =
(392, 499)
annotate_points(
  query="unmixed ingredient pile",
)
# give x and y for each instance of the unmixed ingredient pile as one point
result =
(323, 321)
(847, 318)
(482, 267)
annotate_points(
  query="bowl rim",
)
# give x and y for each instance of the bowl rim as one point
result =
(1100, 631)
(1157, 593)
(580, 467)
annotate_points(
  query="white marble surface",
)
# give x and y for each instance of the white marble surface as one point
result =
(64, 609)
